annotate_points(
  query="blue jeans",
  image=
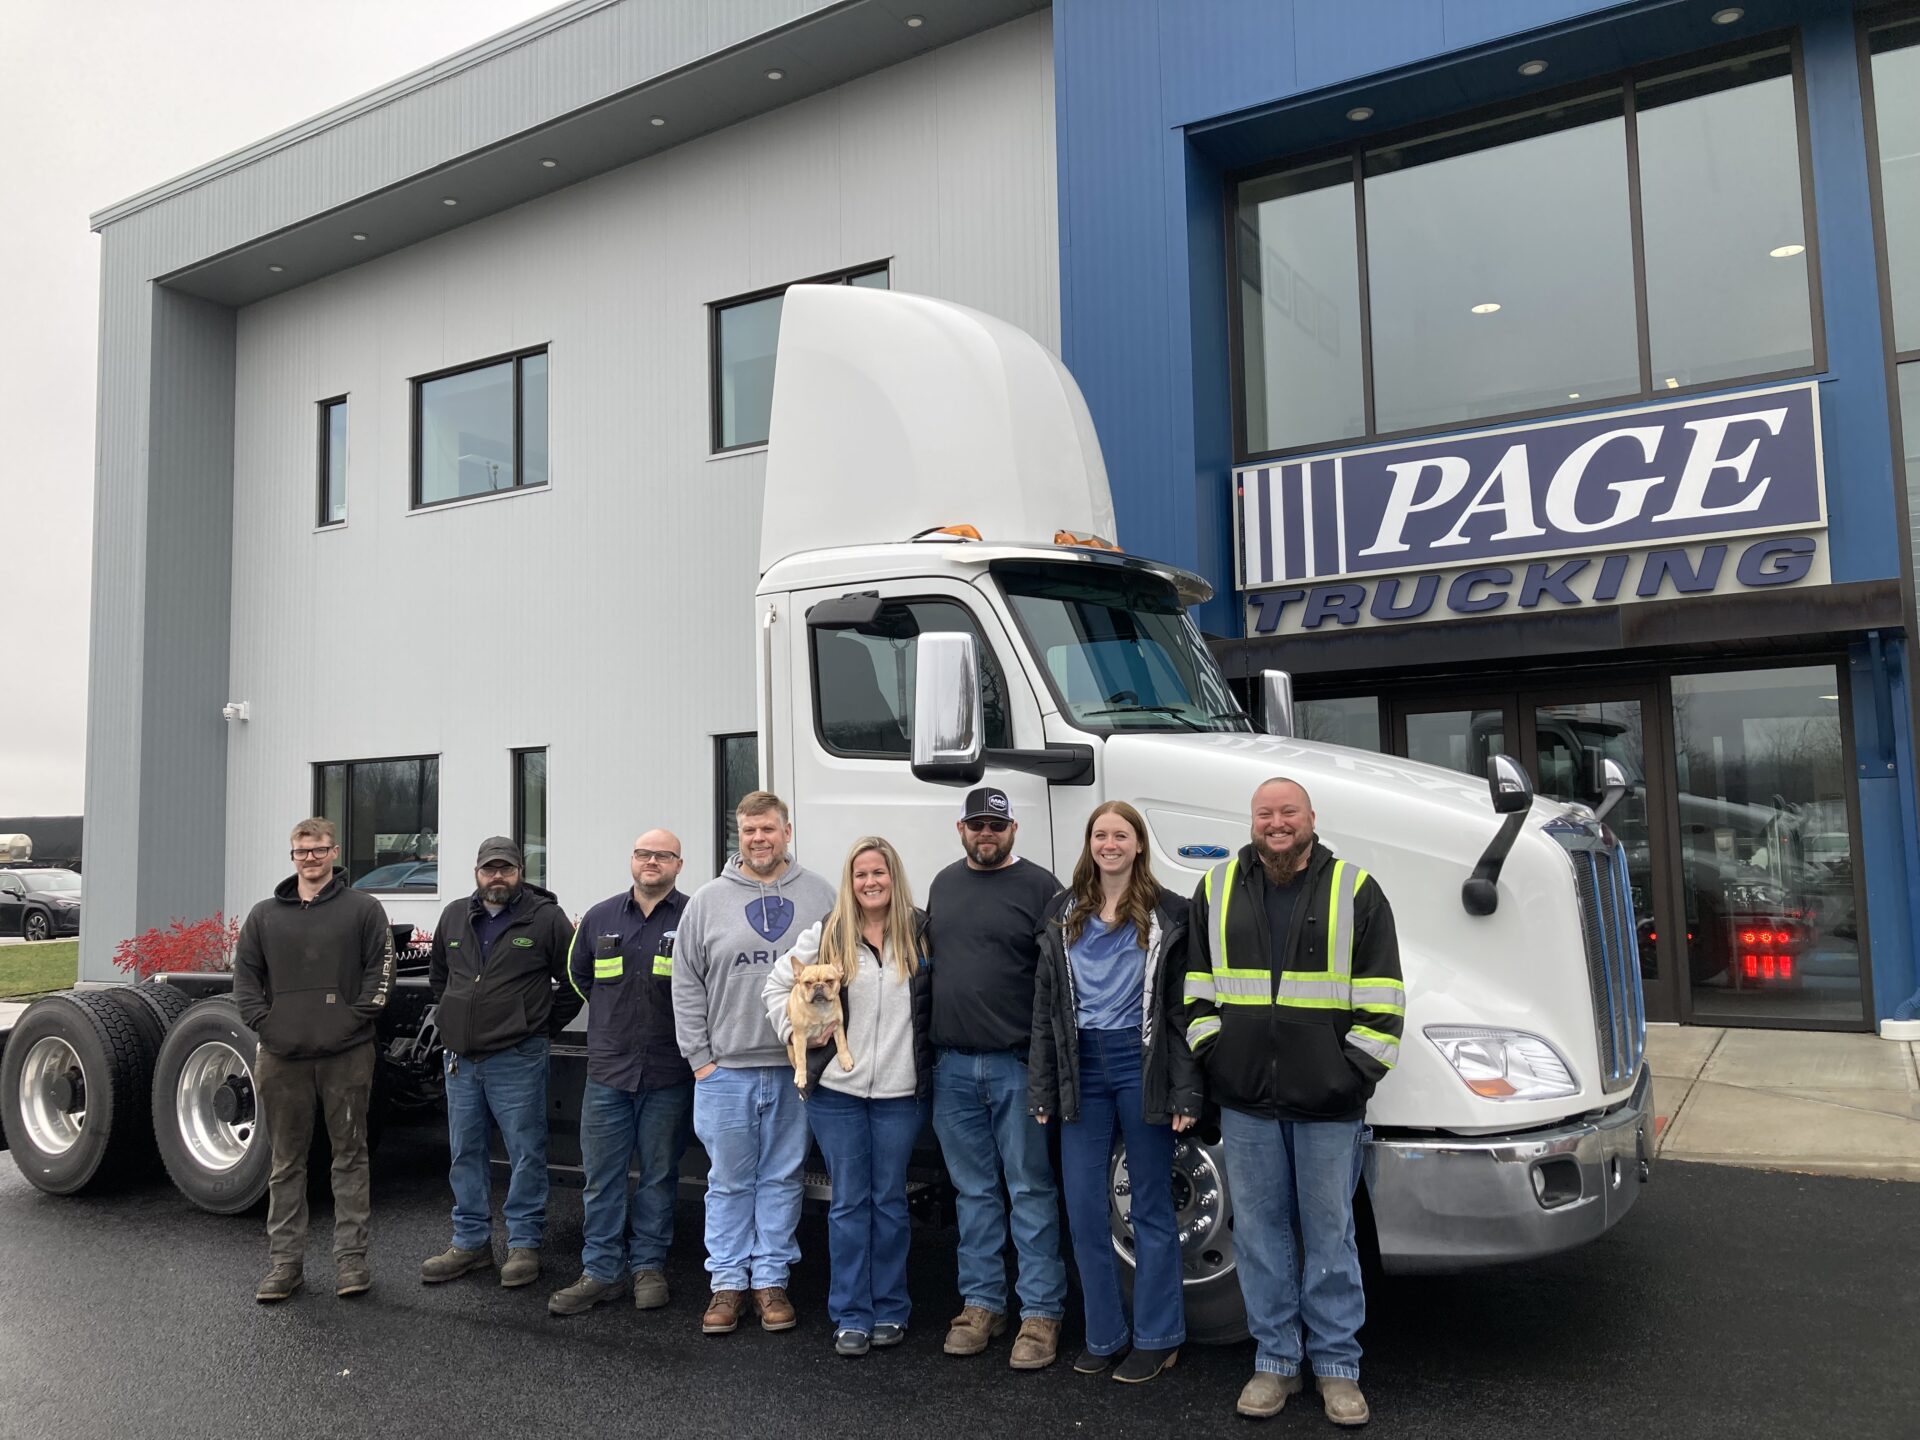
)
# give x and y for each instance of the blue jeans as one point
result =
(624, 1233)
(980, 1115)
(867, 1144)
(510, 1090)
(1110, 1104)
(1284, 1174)
(756, 1139)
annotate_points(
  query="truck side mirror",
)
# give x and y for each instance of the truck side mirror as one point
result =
(949, 728)
(1276, 703)
(1613, 787)
(1512, 794)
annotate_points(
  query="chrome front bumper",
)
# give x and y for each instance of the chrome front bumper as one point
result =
(1451, 1202)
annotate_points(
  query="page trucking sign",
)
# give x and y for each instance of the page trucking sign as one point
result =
(1691, 498)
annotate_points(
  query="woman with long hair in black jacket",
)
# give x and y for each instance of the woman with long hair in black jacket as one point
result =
(1107, 1058)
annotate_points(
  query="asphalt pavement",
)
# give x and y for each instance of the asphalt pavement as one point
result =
(1730, 1303)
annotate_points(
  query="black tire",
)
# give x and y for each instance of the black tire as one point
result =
(164, 1002)
(220, 1164)
(36, 925)
(73, 1086)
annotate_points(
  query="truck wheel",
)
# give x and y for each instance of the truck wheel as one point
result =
(164, 1002)
(1203, 1216)
(71, 1080)
(212, 1137)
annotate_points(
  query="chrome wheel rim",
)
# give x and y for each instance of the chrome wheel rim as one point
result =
(53, 1096)
(1202, 1213)
(215, 1144)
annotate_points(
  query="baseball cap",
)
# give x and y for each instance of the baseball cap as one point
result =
(499, 847)
(987, 803)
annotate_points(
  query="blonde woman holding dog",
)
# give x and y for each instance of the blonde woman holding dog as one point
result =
(1105, 1060)
(866, 1114)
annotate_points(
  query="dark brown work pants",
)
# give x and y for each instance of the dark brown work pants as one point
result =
(288, 1090)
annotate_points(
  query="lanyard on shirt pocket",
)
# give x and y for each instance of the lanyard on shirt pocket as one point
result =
(608, 963)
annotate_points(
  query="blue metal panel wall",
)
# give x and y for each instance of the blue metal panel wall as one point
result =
(1158, 99)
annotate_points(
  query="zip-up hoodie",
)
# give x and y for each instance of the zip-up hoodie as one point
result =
(886, 1022)
(518, 989)
(730, 934)
(310, 977)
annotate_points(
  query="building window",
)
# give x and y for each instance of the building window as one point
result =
(736, 773)
(745, 333)
(388, 814)
(1774, 923)
(480, 429)
(1353, 722)
(1647, 237)
(1896, 115)
(863, 680)
(333, 461)
(530, 811)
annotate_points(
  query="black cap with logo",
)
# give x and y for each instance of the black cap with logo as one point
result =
(987, 803)
(499, 847)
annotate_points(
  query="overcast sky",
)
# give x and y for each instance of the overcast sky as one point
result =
(100, 99)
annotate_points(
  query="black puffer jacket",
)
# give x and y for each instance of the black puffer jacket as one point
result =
(1170, 1081)
(517, 990)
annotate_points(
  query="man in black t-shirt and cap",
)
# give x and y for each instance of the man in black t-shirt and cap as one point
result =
(984, 914)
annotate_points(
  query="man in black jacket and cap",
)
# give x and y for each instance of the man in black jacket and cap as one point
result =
(498, 972)
(311, 975)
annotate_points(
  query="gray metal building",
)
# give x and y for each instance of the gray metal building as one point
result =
(294, 514)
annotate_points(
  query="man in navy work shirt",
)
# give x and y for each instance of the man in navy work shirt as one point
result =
(639, 1093)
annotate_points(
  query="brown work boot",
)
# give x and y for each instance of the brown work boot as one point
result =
(970, 1330)
(351, 1276)
(281, 1282)
(776, 1311)
(1266, 1395)
(452, 1263)
(723, 1312)
(1344, 1403)
(649, 1290)
(1036, 1344)
(522, 1268)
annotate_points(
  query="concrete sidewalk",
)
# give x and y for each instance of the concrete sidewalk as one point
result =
(1815, 1102)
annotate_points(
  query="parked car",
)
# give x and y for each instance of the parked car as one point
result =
(39, 904)
(407, 875)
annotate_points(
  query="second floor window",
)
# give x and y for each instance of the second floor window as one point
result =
(745, 333)
(333, 461)
(480, 429)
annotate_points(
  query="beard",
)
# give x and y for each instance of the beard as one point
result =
(987, 851)
(499, 894)
(762, 866)
(1284, 861)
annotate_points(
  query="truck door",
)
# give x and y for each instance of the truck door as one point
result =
(853, 731)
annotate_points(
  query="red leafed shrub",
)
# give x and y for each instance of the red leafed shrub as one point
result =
(181, 947)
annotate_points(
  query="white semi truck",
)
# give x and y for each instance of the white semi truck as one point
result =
(941, 605)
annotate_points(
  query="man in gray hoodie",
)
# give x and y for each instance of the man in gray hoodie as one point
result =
(745, 1108)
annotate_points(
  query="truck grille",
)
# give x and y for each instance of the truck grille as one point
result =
(1613, 965)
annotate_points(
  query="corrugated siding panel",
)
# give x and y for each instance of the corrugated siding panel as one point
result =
(609, 617)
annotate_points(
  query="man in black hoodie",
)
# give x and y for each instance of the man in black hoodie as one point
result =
(311, 974)
(498, 972)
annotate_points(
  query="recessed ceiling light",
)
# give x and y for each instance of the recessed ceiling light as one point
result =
(276, 269)
(1728, 16)
(1671, 383)
(1359, 113)
(1829, 697)
(776, 74)
(358, 236)
(914, 22)
(450, 200)
(549, 162)
(1486, 307)
(657, 120)
(1573, 394)
(1784, 252)
(1531, 68)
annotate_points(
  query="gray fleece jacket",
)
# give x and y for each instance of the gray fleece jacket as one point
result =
(730, 934)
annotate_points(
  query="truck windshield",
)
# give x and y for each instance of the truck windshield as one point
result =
(1119, 650)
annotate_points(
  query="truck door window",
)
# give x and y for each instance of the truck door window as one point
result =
(863, 679)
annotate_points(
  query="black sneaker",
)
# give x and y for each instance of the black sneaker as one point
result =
(1141, 1366)
(886, 1336)
(851, 1343)
(1088, 1363)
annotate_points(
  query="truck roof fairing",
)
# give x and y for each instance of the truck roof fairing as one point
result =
(896, 414)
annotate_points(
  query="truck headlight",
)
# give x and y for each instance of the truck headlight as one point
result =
(1504, 1064)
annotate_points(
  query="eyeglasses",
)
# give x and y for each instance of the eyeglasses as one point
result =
(498, 867)
(643, 856)
(992, 827)
(312, 852)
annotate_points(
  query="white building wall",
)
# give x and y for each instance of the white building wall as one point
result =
(609, 615)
